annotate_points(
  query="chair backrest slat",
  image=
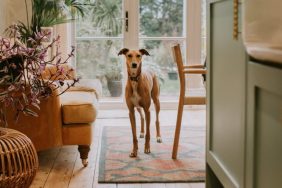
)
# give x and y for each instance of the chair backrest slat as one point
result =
(178, 60)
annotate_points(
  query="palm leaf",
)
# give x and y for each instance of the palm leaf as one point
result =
(49, 13)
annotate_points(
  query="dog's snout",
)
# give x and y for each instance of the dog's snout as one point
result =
(134, 65)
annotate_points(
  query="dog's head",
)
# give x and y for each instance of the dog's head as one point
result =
(133, 60)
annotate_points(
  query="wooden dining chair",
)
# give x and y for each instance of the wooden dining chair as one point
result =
(183, 99)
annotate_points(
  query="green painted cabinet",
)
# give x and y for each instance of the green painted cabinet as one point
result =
(244, 109)
(226, 96)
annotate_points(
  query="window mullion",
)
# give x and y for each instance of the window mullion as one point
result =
(193, 31)
(131, 39)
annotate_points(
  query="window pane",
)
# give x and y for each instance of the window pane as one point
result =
(161, 18)
(161, 61)
(103, 18)
(98, 59)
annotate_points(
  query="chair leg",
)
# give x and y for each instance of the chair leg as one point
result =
(177, 131)
(84, 150)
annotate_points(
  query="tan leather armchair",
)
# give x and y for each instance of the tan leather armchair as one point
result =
(67, 119)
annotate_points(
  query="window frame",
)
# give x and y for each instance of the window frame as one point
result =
(191, 39)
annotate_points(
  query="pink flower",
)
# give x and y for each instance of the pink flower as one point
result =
(42, 56)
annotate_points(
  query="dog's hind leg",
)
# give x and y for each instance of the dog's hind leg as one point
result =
(133, 128)
(157, 107)
(155, 97)
(147, 137)
(142, 122)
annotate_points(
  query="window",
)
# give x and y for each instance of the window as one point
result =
(152, 24)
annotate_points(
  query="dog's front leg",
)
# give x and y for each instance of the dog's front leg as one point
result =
(142, 122)
(133, 128)
(147, 137)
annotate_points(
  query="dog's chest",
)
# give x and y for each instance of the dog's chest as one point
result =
(135, 98)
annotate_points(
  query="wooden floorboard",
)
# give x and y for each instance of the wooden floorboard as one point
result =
(83, 177)
(153, 185)
(131, 185)
(62, 168)
(61, 172)
(197, 185)
(46, 161)
(177, 185)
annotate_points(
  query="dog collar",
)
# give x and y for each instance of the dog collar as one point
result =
(135, 79)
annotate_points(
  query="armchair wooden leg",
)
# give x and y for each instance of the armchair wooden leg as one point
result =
(84, 150)
(177, 130)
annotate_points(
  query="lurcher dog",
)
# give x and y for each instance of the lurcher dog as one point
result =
(141, 87)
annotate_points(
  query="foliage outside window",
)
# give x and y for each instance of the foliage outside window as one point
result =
(99, 38)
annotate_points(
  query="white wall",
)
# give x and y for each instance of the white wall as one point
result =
(12, 11)
(64, 31)
(193, 34)
(3, 4)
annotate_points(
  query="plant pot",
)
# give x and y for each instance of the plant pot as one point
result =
(19, 159)
(172, 75)
(115, 87)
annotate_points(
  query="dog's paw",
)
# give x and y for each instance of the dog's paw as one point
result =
(141, 135)
(133, 154)
(159, 139)
(147, 148)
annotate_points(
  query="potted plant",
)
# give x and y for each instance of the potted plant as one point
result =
(21, 83)
(46, 14)
(113, 74)
(23, 57)
(172, 73)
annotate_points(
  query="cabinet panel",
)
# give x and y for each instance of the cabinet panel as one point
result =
(268, 139)
(226, 96)
(264, 128)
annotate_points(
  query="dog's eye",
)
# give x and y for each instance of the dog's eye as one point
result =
(130, 56)
(138, 56)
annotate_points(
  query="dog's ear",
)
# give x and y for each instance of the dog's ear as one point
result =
(144, 52)
(123, 51)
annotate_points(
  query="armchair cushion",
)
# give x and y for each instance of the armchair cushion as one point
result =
(79, 107)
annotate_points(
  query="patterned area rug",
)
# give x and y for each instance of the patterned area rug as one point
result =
(115, 165)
